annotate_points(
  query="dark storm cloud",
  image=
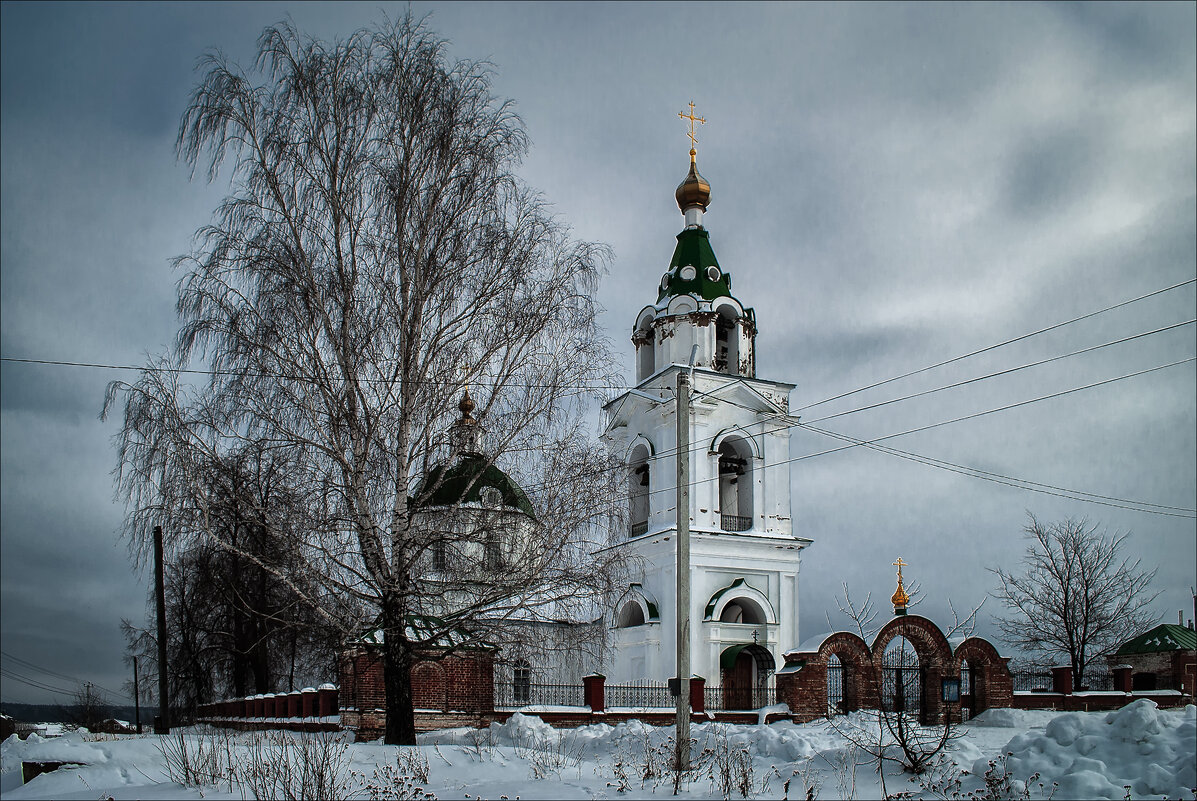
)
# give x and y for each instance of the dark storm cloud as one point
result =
(893, 185)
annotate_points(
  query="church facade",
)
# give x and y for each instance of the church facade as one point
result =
(745, 555)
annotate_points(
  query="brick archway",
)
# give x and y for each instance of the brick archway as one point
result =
(991, 682)
(859, 690)
(803, 682)
(934, 657)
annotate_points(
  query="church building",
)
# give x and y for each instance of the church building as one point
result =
(745, 556)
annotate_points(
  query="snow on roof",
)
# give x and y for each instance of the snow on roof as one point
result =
(811, 644)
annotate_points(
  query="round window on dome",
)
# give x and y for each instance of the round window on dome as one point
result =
(712, 273)
(491, 497)
(688, 273)
(665, 281)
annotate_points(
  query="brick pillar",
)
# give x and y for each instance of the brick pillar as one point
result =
(594, 692)
(327, 703)
(1062, 680)
(1122, 678)
(293, 709)
(308, 702)
(698, 686)
(255, 705)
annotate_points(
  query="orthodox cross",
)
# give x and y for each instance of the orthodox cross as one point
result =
(900, 564)
(692, 119)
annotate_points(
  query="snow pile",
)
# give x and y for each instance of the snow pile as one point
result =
(1091, 756)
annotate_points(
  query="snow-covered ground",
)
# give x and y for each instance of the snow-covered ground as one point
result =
(1152, 752)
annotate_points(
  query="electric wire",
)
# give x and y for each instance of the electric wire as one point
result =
(1004, 372)
(27, 665)
(998, 345)
(1017, 483)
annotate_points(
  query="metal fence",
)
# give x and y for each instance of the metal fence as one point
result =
(835, 689)
(512, 695)
(735, 523)
(1027, 681)
(645, 695)
(738, 698)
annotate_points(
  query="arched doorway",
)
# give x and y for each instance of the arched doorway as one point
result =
(901, 677)
(746, 671)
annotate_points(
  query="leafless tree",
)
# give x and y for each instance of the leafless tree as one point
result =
(1077, 596)
(376, 257)
(863, 616)
(90, 707)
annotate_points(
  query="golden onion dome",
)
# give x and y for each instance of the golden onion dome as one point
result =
(694, 189)
(900, 599)
(466, 407)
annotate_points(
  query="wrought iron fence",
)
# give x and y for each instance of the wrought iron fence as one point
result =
(1027, 681)
(835, 689)
(1100, 681)
(643, 695)
(735, 523)
(902, 688)
(515, 695)
(738, 698)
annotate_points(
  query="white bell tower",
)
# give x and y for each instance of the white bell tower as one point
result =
(744, 555)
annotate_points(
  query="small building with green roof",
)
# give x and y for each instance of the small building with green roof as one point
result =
(1164, 658)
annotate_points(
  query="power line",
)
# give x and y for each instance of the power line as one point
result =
(1005, 372)
(33, 682)
(998, 345)
(46, 671)
(422, 382)
(1018, 483)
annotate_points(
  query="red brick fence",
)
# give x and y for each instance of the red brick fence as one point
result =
(309, 709)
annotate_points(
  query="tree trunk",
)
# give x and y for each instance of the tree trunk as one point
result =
(397, 660)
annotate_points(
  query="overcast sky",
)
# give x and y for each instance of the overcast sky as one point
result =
(892, 186)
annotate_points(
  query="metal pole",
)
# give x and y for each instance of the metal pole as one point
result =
(162, 719)
(683, 568)
(136, 697)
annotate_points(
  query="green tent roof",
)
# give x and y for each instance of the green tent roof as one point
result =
(1165, 637)
(464, 482)
(694, 249)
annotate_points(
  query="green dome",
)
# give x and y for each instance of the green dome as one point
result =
(464, 483)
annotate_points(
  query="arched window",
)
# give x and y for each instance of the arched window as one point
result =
(521, 682)
(727, 341)
(645, 349)
(440, 555)
(638, 491)
(735, 485)
(630, 615)
(493, 552)
(742, 610)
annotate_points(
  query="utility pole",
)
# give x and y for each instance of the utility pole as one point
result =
(162, 719)
(683, 565)
(136, 697)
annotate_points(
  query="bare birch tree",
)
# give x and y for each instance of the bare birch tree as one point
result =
(376, 257)
(1077, 595)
